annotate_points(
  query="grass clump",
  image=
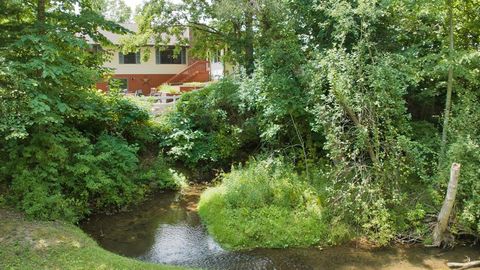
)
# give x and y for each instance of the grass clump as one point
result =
(264, 204)
(169, 89)
(56, 245)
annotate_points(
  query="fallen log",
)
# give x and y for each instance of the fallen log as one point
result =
(462, 266)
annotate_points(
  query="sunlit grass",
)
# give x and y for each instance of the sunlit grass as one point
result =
(265, 204)
(27, 244)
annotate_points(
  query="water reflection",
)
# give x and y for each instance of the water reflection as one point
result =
(177, 244)
(167, 230)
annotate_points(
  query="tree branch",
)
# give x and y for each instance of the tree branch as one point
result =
(205, 28)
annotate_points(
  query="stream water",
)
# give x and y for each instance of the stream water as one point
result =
(167, 230)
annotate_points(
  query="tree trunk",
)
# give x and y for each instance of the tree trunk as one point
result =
(440, 230)
(41, 12)
(249, 36)
(302, 144)
(351, 114)
(448, 102)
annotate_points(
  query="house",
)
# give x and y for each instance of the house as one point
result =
(164, 66)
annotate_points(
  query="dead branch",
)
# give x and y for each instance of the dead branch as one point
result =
(461, 266)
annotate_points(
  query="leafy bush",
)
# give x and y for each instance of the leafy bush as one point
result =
(61, 173)
(169, 89)
(465, 149)
(95, 113)
(207, 129)
(67, 149)
(264, 204)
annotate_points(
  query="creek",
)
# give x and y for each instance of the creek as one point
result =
(166, 229)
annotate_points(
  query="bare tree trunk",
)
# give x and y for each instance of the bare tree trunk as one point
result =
(448, 102)
(439, 233)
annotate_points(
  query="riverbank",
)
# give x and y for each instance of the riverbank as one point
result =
(167, 229)
(31, 244)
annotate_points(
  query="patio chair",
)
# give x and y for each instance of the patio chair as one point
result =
(139, 92)
(153, 91)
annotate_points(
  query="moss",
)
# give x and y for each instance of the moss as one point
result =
(28, 244)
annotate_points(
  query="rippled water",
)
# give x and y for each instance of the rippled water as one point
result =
(167, 230)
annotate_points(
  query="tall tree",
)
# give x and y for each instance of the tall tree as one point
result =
(233, 25)
(46, 76)
(448, 102)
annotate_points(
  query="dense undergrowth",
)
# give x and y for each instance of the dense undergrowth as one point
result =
(263, 204)
(208, 130)
(97, 160)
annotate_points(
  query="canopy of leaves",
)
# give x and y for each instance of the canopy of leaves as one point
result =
(114, 10)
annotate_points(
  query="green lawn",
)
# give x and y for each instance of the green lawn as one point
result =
(30, 244)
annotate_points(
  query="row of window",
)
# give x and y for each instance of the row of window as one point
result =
(164, 56)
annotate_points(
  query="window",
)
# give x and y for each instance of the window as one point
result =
(216, 56)
(129, 58)
(168, 56)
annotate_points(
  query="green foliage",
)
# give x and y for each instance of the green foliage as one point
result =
(465, 149)
(158, 174)
(360, 89)
(264, 204)
(238, 27)
(359, 103)
(65, 149)
(114, 10)
(169, 89)
(206, 130)
(61, 173)
(358, 86)
(277, 94)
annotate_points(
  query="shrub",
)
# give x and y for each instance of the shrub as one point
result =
(207, 130)
(67, 149)
(90, 161)
(159, 175)
(169, 89)
(95, 113)
(465, 149)
(264, 204)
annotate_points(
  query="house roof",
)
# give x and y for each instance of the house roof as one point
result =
(116, 38)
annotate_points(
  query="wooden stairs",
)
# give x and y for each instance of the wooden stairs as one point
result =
(199, 71)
